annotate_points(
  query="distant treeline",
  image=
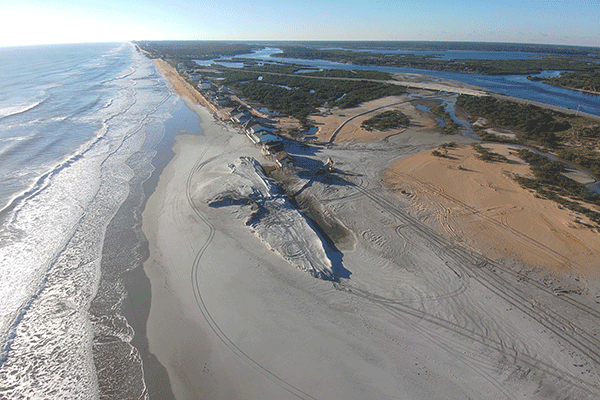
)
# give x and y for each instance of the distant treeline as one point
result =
(589, 81)
(300, 96)
(200, 50)
(443, 46)
(484, 67)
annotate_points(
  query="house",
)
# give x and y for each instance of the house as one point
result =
(256, 128)
(284, 160)
(204, 85)
(254, 137)
(268, 138)
(194, 75)
(241, 117)
(251, 122)
(272, 148)
(222, 100)
(223, 89)
(262, 137)
(237, 109)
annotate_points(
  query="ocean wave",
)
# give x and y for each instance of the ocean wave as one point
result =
(52, 240)
(18, 109)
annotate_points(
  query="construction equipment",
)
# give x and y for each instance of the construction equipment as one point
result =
(330, 167)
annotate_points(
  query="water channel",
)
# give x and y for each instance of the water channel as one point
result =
(510, 85)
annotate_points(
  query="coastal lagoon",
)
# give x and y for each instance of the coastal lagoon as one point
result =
(510, 85)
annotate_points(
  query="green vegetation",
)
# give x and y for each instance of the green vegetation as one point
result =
(450, 127)
(484, 67)
(579, 159)
(549, 183)
(386, 120)
(187, 50)
(449, 145)
(352, 74)
(486, 155)
(444, 147)
(443, 46)
(534, 123)
(298, 95)
(588, 81)
(574, 140)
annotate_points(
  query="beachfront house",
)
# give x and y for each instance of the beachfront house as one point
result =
(222, 101)
(246, 125)
(284, 160)
(204, 85)
(257, 128)
(271, 148)
(262, 137)
(254, 137)
(241, 117)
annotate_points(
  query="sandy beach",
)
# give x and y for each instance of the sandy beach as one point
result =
(412, 312)
(478, 204)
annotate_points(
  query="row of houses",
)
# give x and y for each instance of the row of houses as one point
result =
(192, 74)
(219, 96)
(271, 145)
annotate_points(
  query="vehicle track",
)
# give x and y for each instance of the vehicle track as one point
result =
(474, 267)
(500, 224)
(532, 241)
(200, 163)
(482, 275)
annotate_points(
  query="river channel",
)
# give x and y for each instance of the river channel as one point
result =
(511, 85)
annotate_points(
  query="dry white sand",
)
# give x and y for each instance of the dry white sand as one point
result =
(414, 315)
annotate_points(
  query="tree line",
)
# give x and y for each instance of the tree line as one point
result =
(483, 67)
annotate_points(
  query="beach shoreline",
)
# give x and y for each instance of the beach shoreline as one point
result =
(230, 318)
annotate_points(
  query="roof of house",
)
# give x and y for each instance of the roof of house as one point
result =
(269, 138)
(283, 155)
(259, 127)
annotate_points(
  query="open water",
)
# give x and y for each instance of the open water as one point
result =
(79, 129)
(510, 85)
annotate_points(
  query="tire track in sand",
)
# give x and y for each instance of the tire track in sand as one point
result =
(222, 336)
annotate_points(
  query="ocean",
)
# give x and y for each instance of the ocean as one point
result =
(80, 130)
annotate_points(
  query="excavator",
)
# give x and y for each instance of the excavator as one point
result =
(330, 167)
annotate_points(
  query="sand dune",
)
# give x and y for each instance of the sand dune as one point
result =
(478, 204)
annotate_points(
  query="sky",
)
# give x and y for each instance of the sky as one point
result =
(29, 22)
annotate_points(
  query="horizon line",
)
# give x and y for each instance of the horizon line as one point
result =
(303, 40)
